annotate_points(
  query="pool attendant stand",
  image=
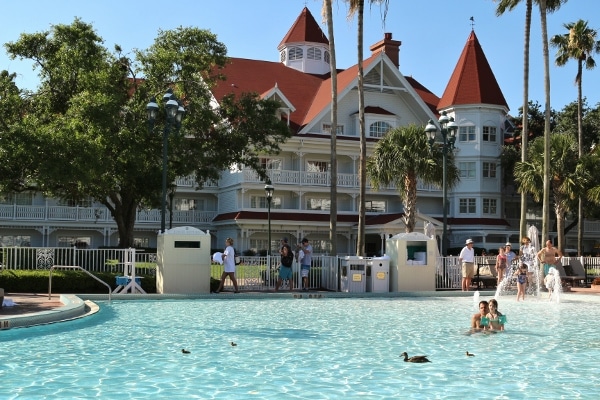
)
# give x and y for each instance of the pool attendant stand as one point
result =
(129, 283)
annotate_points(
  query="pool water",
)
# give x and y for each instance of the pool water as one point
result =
(308, 349)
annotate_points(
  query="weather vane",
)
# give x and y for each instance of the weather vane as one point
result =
(472, 23)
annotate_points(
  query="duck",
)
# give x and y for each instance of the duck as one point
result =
(184, 351)
(414, 359)
(233, 344)
(470, 354)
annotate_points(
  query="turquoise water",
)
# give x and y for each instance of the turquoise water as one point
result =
(307, 349)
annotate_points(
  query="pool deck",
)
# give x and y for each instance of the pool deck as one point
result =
(35, 308)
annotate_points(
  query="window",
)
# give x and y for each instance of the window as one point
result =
(466, 134)
(81, 242)
(270, 164)
(187, 204)
(318, 204)
(489, 170)
(375, 206)
(75, 203)
(467, 170)
(489, 206)
(379, 128)
(261, 202)
(489, 133)
(17, 240)
(317, 166)
(467, 206)
(295, 53)
(327, 129)
(141, 242)
(282, 56)
(327, 57)
(313, 53)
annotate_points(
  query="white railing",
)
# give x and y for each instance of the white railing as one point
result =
(95, 214)
(252, 274)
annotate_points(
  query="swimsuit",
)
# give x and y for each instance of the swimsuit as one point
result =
(522, 278)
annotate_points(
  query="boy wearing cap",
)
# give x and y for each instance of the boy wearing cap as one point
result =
(510, 256)
(305, 263)
(467, 259)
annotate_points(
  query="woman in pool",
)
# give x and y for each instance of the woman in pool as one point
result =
(495, 317)
(521, 281)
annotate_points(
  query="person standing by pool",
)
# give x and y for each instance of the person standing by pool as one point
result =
(228, 266)
(285, 269)
(527, 256)
(500, 265)
(306, 262)
(495, 317)
(549, 256)
(522, 279)
(510, 257)
(467, 260)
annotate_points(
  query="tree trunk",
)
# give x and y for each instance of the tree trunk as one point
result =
(546, 198)
(333, 167)
(525, 120)
(360, 247)
(580, 215)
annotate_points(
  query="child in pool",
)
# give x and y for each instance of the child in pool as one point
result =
(521, 281)
(494, 317)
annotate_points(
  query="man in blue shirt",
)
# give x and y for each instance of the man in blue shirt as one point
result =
(510, 256)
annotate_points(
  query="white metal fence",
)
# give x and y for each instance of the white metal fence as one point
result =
(253, 274)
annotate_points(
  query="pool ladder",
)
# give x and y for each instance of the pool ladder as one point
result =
(75, 267)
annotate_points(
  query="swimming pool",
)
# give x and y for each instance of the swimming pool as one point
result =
(310, 348)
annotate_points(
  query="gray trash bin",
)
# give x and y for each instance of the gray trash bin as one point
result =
(378, 275)
(353, 272)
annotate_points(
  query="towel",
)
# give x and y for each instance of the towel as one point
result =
(218, 257)
(8, 303)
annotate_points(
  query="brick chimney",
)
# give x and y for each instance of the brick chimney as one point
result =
(390, 47)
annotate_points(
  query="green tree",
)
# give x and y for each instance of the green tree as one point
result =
(509, 5)
(568, 176)
(579, 43)
(402, 157)
(87, 129)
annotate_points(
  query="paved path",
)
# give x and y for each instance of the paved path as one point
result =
(27, 303)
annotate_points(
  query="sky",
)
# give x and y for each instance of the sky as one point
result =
(433, 34)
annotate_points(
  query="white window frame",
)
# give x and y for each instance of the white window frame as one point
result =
(489, 134)
(313, 53)
(490, 206)
(326, 128)
(318, 203)
(378, 129)
(467, 133)
(185, 204)
(489, 170)
(261, 202)
(295, 53)
(467, 205)
(271, 164)
(467, 169)
(372, 206)
(317, 166)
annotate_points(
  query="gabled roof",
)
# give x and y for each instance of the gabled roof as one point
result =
(472, 81)
(305, 29)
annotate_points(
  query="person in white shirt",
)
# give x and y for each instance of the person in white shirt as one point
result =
(467, 260)
(229, 266)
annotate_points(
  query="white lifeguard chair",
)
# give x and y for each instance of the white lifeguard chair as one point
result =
(129, 283)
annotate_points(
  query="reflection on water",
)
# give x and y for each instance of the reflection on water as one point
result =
(311, 348)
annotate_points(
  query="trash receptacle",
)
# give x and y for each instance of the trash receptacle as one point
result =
(183, 261)
(413, 259)
(353, 274)
(378, 275)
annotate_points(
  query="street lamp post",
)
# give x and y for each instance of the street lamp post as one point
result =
(174, 114)
(448, 129)
(269, 189)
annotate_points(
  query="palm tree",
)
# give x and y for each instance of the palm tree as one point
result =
(509, 5)
(358, 7)
(568, 175)
(334, 100)
(579, 43)
(403, 157)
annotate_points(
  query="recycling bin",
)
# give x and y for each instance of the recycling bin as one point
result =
(353, 274)
(378, 275)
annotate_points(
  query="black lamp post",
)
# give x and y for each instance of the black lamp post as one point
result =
(269, 189)
(448, 130)
(174, 114)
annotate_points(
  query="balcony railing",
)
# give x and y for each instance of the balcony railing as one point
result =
(95, 214)
(288, 177)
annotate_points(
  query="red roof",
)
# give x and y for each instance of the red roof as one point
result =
(305, 29)
(472, 81)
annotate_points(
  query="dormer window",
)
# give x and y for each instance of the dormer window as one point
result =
(379, 129)
(326, 58)
(295, 53)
